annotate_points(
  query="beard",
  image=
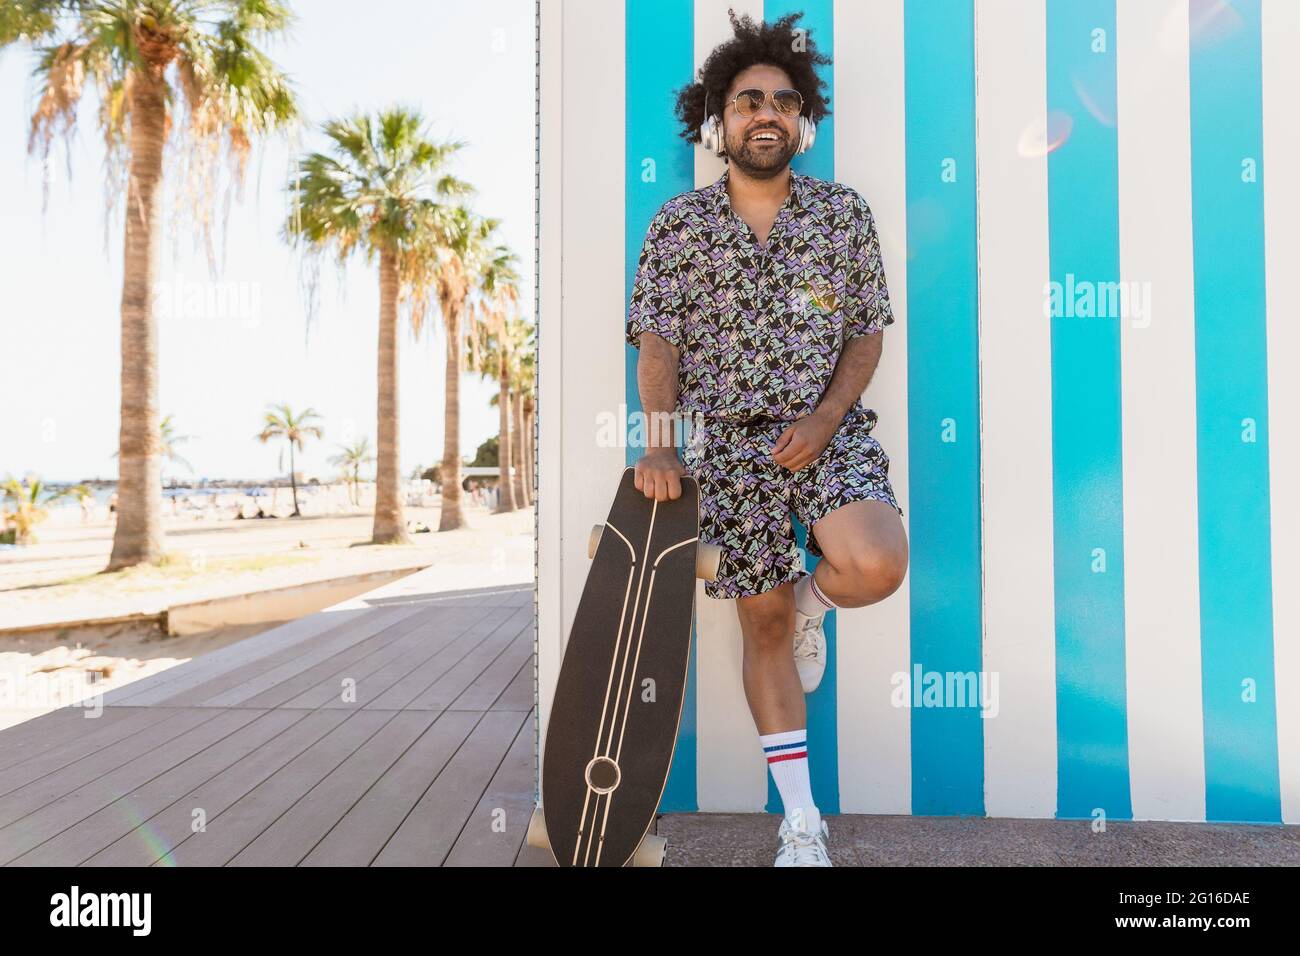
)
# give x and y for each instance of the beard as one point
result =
(763, 162)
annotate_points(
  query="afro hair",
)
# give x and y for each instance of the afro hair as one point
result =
(779, 44)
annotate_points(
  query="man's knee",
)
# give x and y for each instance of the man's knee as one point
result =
(769, 616)
(879, 571)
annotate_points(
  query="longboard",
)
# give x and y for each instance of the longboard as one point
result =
(618, 699)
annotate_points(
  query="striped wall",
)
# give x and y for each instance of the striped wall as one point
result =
(1082, 241)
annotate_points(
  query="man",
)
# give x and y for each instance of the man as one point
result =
(759, 307)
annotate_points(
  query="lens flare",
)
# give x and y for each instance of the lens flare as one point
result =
(1045, 134)
(1211, 21)
(1089, 101)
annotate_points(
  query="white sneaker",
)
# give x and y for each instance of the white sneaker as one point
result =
(803, 836)
(809, 649)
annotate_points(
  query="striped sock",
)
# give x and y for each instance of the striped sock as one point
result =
(809, 598)
(787, 758)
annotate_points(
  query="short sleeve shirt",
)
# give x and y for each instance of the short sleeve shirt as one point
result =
(759, 328)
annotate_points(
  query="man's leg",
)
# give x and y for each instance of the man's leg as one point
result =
(776, 699)
(865, 553)
(767, 667)
(744, 508)
(845, 500)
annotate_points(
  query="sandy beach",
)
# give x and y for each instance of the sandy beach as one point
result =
(210, 555)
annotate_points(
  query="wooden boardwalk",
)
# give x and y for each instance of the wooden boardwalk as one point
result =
(399, 729)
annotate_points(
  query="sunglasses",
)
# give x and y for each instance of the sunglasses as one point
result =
(749, 102)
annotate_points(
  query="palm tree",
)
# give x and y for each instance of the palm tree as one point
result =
(527, 386)
(379, 190)
(462, 266)
(190, 65)
(29, 505)
(351, 459)
(167, 442)
(281, 422)
(491, 353)
(518, 334)
(487, 358)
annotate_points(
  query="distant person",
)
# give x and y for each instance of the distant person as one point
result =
(112, 504)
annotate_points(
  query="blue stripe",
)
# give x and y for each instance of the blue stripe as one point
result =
(823, 721)
(943, 395)
(1241, 747)
(660, 55)
(1087, 470)
(775, 747)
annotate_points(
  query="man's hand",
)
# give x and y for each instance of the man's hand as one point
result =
(658, 474)
(803, 442)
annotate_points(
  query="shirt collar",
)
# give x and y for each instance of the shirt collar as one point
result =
(721, 201)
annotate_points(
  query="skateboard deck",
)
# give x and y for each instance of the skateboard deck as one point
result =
(618, 700)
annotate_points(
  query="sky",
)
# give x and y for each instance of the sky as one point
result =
(232, 345)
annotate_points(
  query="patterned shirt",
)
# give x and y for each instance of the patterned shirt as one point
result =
(759, 329)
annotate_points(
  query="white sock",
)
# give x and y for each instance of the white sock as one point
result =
(787, 759)
(809, 598)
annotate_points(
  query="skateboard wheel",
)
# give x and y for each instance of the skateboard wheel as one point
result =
(650, 851)
(537, 831)
(593, 540)
(707, 558)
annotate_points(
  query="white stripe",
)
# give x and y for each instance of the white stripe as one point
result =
(873, 643)
(550, 381)
(1281, 29)
(1016, 424)
(1161, 574)
(582, 208)
(731, 769)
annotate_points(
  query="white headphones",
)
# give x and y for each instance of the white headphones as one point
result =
(711, 131)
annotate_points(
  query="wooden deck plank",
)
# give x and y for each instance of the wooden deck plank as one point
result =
(240, 823)
(497, 826)
(484, 597)
(429, 831)
(365, 829)
(70, 730)
(164, 830)
(493, 680)
(443, 692)
(395, 662)
(360, 658)
(229, 689)
(258, 737)
(409, 683)
(532, 856)
(133, 809)
(519, 694)
(528, 855)
(72, 807)
(151, 689)
(407, 590)
(296, 833)
(515, 597)
(45, 780)
(194, 692)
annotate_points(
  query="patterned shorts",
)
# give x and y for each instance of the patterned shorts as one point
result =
(746, 498)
